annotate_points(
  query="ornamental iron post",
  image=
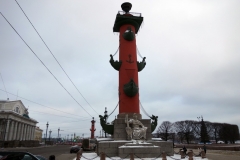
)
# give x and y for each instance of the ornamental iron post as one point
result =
(46, 132)
(106, 115)
(49, 135)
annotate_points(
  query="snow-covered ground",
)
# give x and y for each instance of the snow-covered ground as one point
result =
(96, 157)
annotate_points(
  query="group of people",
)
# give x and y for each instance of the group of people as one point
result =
(199, 149)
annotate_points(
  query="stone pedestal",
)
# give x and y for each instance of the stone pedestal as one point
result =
(141, 150)
(121, 148)
(164, 146)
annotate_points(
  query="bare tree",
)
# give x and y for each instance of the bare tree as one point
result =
(185, 129)
(165, 130)
(180, 137)
(229, 132)
(197, 130)
(215, 131)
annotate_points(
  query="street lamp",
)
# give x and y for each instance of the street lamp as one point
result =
(46, 132)
(106, 117)
(106, 113)
(49, 135)
(200, 118)
(58, 132)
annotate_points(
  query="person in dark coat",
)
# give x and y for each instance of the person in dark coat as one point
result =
(205, 149)
(184, 149)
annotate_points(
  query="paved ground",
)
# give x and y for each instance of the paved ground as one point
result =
(66, 157)
(63, 152)
(218, 154)
(46, 151)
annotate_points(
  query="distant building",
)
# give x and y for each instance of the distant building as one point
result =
(38, 134)
(15, 123)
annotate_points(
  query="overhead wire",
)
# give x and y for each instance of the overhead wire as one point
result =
(52, 114)
(68, 121)
(55, 57)
(40, 104)
(46, 66)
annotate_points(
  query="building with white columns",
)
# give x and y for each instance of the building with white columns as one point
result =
(15, 123)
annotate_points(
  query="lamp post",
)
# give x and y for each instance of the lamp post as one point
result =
(106, 116)
(200, 118)
(46, 132)
(49, 135)
(58, 133)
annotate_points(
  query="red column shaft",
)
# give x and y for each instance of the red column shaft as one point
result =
(92, 129)
(128, 71)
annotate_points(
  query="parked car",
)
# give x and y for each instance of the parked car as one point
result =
(41, 157)
(220, 142)
(238, 141)
(205, 143)
(75, 149)
(17, 156)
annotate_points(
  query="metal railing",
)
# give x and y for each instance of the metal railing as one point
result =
(162, 155)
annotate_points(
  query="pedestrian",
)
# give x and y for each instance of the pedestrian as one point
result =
(52, 157)
(205, 149)
(184, 149)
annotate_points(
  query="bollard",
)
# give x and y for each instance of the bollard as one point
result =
(182, 154)
(203, 154)
(131, 156)
(79, 154)
(103, 156)
(164, 156)
(190, 155)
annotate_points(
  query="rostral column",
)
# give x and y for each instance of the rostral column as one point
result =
(128, 24)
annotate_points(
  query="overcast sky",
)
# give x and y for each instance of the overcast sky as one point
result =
(191, 47)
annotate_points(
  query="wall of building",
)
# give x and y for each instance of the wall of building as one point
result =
(38, 134)
(14, 126)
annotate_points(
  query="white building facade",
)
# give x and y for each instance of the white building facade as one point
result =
(15, 123)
